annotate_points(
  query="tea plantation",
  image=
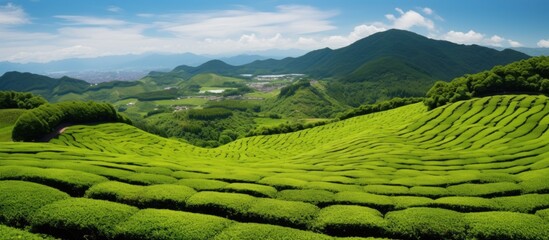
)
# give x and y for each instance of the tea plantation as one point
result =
(475, 169)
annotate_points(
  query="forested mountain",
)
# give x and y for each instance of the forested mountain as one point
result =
(39, 84)
(394, 63)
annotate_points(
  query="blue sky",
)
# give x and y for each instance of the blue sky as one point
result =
(46, 30)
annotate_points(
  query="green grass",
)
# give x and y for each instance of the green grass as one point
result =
(8, 117)
(440, 174)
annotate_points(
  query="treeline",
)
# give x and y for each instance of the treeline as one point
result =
(171, 93)
(286, 128)
(24, 100)
(526, 76)
(378, 107)
(36, 123)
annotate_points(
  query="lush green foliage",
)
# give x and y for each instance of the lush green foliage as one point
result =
(19, 200)
(166, 224)
(526, 76)
(41, 85)
(80, 218)
(36, 123)
(155, 196)
(9, 233)
(403, 173)
(378, 107)
(11, 99)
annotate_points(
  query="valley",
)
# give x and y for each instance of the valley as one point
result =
(395, 136)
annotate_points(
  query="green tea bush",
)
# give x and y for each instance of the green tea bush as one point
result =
(253, 231)
(465, 204)
(334, 187)
(154, 196)
(403, 202)
(19, 200)
(231, 205)
(506, 225)
(72, 182)
(535, 185)
(432, 192)
(148, 179)
(8, 233)
(426, 223)
(281, 183)
(543, 214)
(386, 190)
(81, 218)
(349, 220)
(280, 212)
(251, 189)
(485, 190)
(528, 203)
(379, 202)
(167, 224)
(316, 197)
(203, 184)
(235, 177)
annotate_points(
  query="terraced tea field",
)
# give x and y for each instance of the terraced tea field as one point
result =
(476, 169)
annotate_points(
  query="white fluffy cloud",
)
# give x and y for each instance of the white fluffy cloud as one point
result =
(409, 19)
(543, 43)
(12, 15)
(472, 37)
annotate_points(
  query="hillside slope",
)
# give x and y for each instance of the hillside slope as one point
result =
(470, 169)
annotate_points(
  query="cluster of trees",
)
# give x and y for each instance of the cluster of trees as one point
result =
(526, 76)
(238, 105)
(171, 93)
(24, 100)
(291, 89)
(378, 107)
(36, 123)
(209, 113)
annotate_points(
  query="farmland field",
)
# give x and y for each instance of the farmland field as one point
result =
(476, 169)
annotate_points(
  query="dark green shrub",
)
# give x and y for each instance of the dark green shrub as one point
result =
(209, 113)
(167, 224)
(24, 100)
(316, 197)
(19, 200)
(280, 212)
(232, 205)
(154, 196)
(426, 223)
(36, 123)
(81, 218)
(253, 231)
(203, 184)
(506, 225)
(251, 189)
(72, 182)
(348, 220)
(464, 204)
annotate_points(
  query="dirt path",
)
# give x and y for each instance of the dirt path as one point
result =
(58, 130)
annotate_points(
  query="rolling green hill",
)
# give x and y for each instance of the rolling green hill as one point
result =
(8, 117)
(474, 169)
(42, 85)
(304, 100)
